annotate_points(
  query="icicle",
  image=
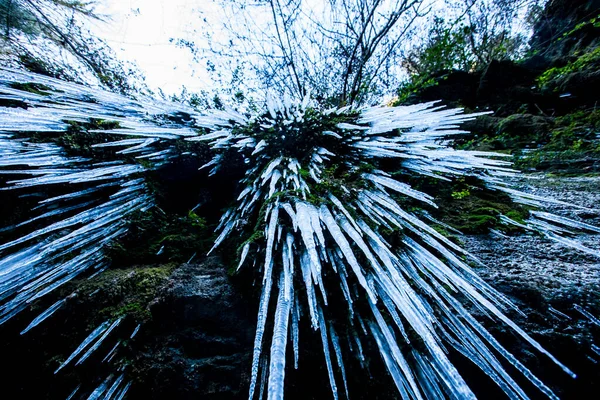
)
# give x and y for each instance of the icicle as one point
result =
(401, 188)
(111, 353)
(413, 280)
(74, 392)
(279, 341)
(310, 290)
(341, 207)
(571, 243)
(288, 263)
(303, 215)
(389, 363)
(587, 314)
(263, 378)
(112, 390)
(51, 310)
(344, 246)
(566, 221)
(408, 378)
(99, 341)
(295, 332)
(260, 325)
(325, 341)
(338, 355)
(560, 314)
(245, 250)
(92, 336)
(100, 389)
(191, 258)
(270, 236)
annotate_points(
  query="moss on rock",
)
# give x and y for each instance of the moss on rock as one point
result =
(465, 206)
(119, 292)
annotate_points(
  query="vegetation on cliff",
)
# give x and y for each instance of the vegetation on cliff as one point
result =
(310, 197)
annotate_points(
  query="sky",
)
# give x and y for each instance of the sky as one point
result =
(139, 31)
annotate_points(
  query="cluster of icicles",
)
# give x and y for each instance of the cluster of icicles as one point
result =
(411, 290)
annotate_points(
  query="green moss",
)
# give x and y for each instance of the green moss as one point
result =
(256, 236)
(567, 144)
(444, 232)
(135, 308)
(413, 86)
(585, 61)
(119, 293)
(572, 145)
(175, 237)
(593, 23)
(196, 221)
(515, 132)
(516, 216)
(460, 194)
(31, 87)
(479, 223)
(472, 213)
(79, 136)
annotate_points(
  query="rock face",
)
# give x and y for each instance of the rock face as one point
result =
(560, 17)
(199, 345)
(199, 342)
(551, 284)
(566, 39)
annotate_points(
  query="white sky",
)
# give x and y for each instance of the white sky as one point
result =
(139, 31)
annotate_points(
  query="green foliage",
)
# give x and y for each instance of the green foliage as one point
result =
(593, 23)
(413, 86)
(465, 44)
(465, 205)
(572, 145)
(445, 49)
(459, 195)
(31, 87)
(589, 60)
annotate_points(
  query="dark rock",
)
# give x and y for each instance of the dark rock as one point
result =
(483, 126)
(500, 75)
(455, 88)
(558, 18)
(587, 214)
(582, 86)
(523, 131)
(199, 344)
(508, 88)
(504, 87)
(547, 281)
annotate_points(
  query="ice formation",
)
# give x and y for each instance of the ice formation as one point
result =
(327, 214)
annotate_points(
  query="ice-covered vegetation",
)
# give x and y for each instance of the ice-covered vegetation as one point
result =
(324, 213)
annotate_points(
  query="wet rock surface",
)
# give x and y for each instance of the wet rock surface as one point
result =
(200, 341)
(551, 284)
